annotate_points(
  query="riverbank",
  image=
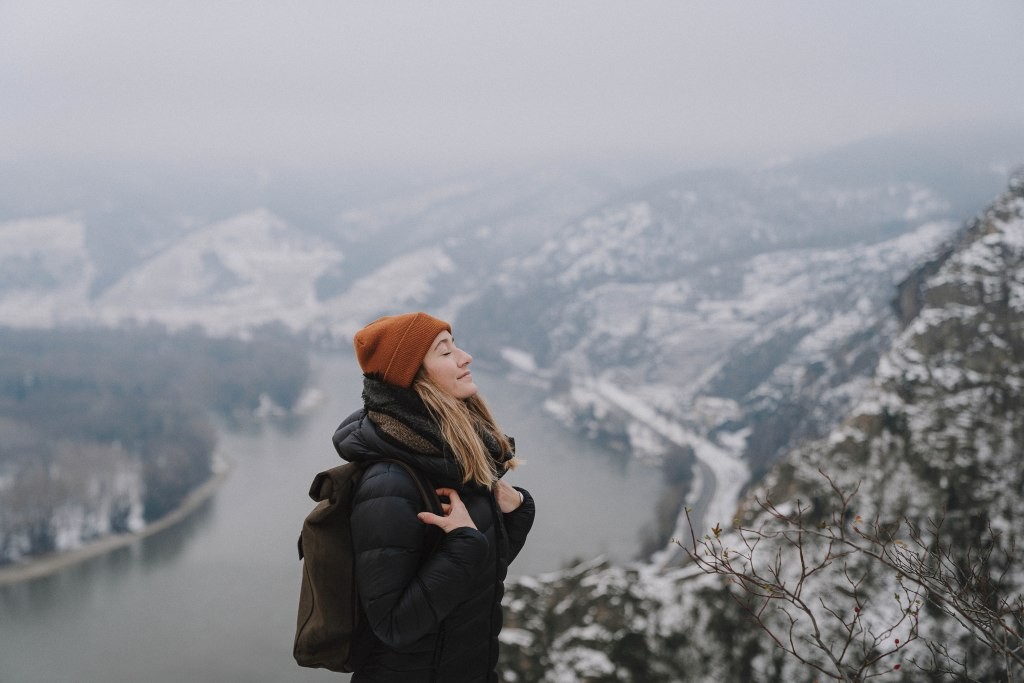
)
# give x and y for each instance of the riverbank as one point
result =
(45, 565)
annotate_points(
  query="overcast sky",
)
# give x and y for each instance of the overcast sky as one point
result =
(443, 82)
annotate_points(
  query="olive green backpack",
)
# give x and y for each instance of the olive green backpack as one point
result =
(330, 632)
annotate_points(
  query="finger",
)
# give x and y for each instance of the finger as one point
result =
(430, 518)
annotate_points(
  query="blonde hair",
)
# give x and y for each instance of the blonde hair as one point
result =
(462, 422)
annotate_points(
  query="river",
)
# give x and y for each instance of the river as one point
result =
(214, 598)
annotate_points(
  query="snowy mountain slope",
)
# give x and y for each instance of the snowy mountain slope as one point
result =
(713, 219)
(428, 250)
(250, 269)
(713, 299)
(938, 429)
(477, 223)
(435, 249)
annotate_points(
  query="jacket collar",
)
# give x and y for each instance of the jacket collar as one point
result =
(395, 423)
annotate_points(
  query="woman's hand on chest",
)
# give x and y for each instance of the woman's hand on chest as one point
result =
(509, 499)
(455, 515)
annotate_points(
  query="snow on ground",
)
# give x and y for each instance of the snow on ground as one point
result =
(730, 473)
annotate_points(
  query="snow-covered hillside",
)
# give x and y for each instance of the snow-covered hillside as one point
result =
(251, 269)
(724, 315)
(936, 432)
(428, 250)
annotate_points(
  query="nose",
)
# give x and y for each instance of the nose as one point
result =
(466, 359)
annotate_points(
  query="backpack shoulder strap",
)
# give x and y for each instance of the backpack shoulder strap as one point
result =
(427, 492)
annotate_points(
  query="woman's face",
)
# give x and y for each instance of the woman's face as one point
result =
(447, 366)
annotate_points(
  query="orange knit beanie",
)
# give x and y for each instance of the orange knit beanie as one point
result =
(393, 347)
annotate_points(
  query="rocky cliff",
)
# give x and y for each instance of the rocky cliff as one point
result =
(938, 434)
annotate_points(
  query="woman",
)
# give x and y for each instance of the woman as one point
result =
(432, 600)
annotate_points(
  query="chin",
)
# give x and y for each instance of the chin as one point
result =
(461, 391)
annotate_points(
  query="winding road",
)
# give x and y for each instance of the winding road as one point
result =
(719, 473)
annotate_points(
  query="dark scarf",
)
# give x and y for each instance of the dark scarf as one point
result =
(401, 417)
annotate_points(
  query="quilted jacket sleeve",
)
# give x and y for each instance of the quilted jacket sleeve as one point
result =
(405, 597)
(518, 524)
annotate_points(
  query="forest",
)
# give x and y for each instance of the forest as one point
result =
(104, 430)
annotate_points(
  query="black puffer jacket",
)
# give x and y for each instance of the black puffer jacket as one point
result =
(434, 607)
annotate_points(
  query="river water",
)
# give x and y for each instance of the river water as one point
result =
(214, 598)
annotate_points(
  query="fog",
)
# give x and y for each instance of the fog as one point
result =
(461, 85)
(144, 120)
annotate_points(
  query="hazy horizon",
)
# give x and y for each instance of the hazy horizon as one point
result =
(454, 85)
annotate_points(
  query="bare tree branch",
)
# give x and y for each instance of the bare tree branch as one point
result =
(785, 560)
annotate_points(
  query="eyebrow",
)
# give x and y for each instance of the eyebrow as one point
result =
(446, 340)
